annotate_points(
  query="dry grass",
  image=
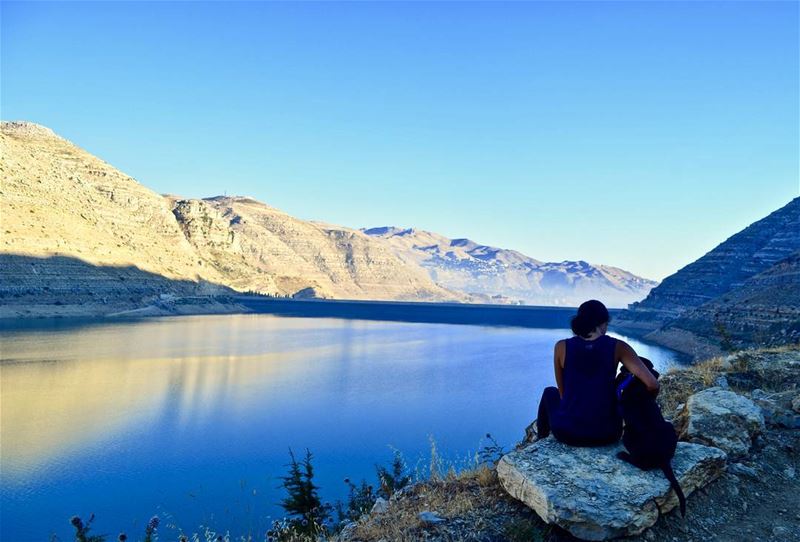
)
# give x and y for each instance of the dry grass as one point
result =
(485, 476)
(676, 387)
(472, 496)
(709, 370)
(744, 370)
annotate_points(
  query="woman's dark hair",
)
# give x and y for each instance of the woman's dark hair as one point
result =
(591, 314)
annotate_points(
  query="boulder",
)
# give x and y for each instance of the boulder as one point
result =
(721, 418)
(430, 518)
(777, 408)
(381, 506)
(595, 495)
(743, 470)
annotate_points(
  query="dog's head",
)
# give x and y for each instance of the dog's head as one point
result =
(630, 386)
(647, 363)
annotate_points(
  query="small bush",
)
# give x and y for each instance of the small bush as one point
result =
(307, 514)
(393, 478)
(360, 501)
(82, 530)
(490, 453)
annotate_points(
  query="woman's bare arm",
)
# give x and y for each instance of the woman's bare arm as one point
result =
(631, 361)
(558, 364)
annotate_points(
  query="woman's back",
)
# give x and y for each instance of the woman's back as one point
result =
(588, 411)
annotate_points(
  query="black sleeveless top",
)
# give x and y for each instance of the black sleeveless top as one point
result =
(588, 411)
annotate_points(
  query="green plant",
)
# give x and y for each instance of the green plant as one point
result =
(360, 500)
(150, 530)
(725, 339)
(490, 453)
(393, 478)
(82, 530)
(307, 514)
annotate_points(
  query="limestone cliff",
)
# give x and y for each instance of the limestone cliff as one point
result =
(764, 311)
(256, 247)
(58, 199)
(80, 237)
(742, 293)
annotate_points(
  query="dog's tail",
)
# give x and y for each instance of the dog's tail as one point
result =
(667, 468)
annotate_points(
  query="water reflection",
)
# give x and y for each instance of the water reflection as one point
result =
(171, 414)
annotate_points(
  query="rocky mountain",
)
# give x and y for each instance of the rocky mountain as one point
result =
(253, 246)
(763, 311)
(499, 275)
(746, 291)
(81, 237)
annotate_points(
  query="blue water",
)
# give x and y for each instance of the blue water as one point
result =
(191, 418)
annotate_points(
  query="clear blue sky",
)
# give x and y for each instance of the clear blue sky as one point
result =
(636, 134)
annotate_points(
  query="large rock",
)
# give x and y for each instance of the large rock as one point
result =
(721, 418)
(777, 408)
(593, 494)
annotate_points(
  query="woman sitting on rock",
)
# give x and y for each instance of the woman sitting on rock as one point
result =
(582, 411)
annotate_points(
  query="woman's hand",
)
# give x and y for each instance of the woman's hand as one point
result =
(634, 364)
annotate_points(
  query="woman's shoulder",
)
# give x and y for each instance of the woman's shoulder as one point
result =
(560, 347)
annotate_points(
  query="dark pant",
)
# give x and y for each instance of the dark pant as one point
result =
(548, 407)
(549, 403)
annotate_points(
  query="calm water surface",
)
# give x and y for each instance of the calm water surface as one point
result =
(191, 418)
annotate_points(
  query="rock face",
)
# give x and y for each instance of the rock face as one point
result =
(253, 246)
(764, 310)
(777, 407)
(82, 238)
(78, 235)
(89, 225)
(745, 292)
(492, 274)
(721, 418)
(59, 199)
(593, 494)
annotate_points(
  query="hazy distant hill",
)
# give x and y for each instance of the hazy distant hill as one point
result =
(745, 291)
(507, 275)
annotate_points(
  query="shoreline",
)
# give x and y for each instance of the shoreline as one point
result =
(379, 310)
(520, 316)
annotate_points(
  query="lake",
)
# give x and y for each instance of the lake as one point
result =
(191, 418)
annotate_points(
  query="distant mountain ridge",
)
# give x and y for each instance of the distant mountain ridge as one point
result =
(82, 238)
(255, 247)
(492, 273)
(746, 291)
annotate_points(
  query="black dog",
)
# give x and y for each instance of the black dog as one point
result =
(648, 437)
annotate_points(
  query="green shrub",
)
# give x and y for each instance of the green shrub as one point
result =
(393, 478)
(306, 513)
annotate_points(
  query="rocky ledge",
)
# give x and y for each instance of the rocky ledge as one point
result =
(595, 495)
(748, 402)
